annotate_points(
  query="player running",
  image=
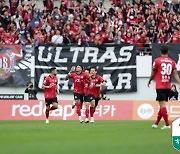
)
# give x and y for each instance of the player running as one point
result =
(91, 97)
(51, 89)
(78, 80)
(163, 69)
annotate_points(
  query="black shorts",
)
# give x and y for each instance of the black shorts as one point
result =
(162, 94)
(89, 98)
(79, 97)
(49, 101)
(96, 101)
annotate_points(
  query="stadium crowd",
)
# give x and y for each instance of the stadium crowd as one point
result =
(133, 22)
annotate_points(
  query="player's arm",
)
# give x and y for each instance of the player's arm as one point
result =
(153, 72)
(102, 82)
(176, 76)
(44, 86)
(68, 76)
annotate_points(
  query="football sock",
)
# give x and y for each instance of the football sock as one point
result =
(53, 108)
(78, 109)
(158, 117)
(87, 113)
(47, 113)
(92, 110)
(165, 115)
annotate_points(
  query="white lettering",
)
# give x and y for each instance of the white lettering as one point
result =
(92, 54)
(76, 51)
(107, 78)
(57, 59)
(14, 107)
(124, 78)
(40, 56)
(25, 111)
(109, 54)
(125, 53)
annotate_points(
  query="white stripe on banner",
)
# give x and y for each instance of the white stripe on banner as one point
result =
(119, 67)
(48, 67)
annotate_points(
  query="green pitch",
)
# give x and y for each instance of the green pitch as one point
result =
(71, 137)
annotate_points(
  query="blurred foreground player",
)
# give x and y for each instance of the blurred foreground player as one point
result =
(51, 89)
(163, 69)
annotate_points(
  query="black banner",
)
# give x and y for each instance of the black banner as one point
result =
(117, 64)
(15, 64)
(11, 96)
(174, 52)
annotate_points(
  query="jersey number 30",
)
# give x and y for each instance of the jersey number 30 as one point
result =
(166, 69)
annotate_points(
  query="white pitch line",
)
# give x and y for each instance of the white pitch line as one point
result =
(119, 67)
(48, 67)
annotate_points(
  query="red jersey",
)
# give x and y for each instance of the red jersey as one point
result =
(92, 88)
(86, 84)
(164, 67)
(50, 92)
(78, 80)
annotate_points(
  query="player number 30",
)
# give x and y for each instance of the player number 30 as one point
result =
(166, 69)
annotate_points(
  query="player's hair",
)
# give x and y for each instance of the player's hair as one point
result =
(80, 66)
(93, 67)
(164, 50)
(87, 69)
(52, 69)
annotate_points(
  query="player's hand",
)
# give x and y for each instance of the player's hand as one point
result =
(149, 82)
(98, 85)
(50, 86)
(72, 69)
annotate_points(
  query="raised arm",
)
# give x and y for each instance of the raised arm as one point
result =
(68, 76)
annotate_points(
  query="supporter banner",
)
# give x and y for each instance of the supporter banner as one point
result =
(12, 96)
(15, 64)
(107, 110)
(117, 64)
(174, 52)
(35, 110)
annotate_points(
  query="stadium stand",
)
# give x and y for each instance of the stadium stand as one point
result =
(84, 23)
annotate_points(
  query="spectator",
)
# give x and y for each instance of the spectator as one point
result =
(173, 93)
(31, 91)
(142, 23)
(13, 6)
(57, 38)
(49, 4)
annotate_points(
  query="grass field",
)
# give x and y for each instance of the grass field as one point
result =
(71, 137)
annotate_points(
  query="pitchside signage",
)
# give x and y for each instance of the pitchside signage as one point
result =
(113, 110)
(117, 64)
(11, 96)
(176, 134)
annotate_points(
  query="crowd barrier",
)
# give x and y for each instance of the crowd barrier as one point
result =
(107, 110)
